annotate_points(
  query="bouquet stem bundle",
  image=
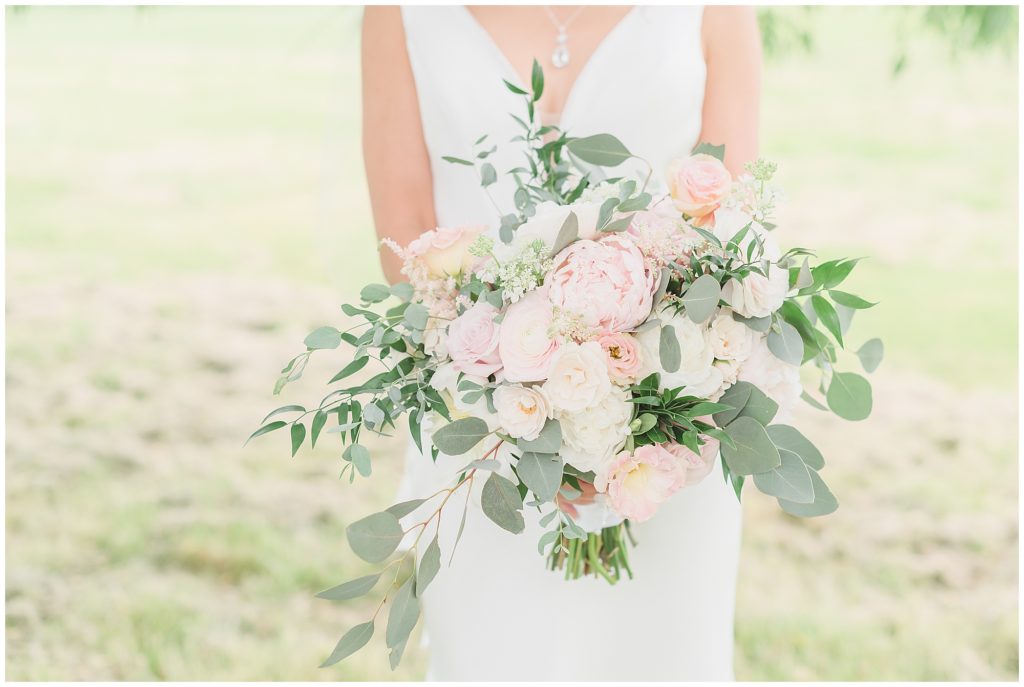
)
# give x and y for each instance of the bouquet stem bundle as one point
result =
(602, 554)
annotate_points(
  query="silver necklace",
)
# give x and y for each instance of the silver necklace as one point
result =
(560, 56)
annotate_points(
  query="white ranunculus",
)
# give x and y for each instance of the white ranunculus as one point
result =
(779, 380)
(593, 435)
(577, 376)
(446, 382)
(696, 355)
(522, 411)
(756, 295)
(730, 340)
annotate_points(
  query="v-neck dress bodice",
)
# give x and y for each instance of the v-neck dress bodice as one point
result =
(497, 613)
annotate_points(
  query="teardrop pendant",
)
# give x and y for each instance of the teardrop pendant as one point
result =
(560, 56)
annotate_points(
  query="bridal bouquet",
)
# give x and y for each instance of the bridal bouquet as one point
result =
(589, 357)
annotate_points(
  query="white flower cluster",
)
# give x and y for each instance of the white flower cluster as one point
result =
(525, 272)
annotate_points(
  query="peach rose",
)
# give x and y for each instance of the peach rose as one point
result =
(698, 184)
(606, 283)
(525, 344)
(473, 340)
(638, 483)
(445, 251)
(623, 356)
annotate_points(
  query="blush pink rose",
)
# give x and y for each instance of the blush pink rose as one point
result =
(698, 184)
(696, 466)
(622, 353)
(606, 283)
(638, 483)
(445, 250)
(525, 344)
(473, 340)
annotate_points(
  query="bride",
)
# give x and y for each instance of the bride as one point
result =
(661, 79)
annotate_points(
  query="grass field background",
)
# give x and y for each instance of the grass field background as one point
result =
(185, 200)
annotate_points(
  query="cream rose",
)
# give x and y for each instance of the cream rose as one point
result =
(577, 377)
(525, 345)
(696, 355)
(698, 184)
(473, 340)
(522, 411)
(445, 251)
(592, 436)
(730, 340)
(779, 380)
(756, 295)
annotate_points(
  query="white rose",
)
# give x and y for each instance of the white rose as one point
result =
(710, 387)
(730, 340)
(435, 338)
(446, 382)
(695, 351)
(577, 376)
(522, 411)
(593, 436)
(779, 380)
(545, 224)
(756, 295)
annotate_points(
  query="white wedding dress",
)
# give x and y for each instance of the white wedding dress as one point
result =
(497, 613)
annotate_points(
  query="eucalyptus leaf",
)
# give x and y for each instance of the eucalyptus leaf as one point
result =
(351, 589)
(849, 396)
(541, 473)
(350, 369)
(668, 349)
(789, 438)
(786, 344)
(850, 301)
(402, 290)
(548, 441)
(828, 316)
(789, 480)
(603, 150)
(460, 436)
(298, 432)
(374, 293)
(701, 299)
(569, 232)
(488, 175)
(758, 324)
(323, 338)
(319, 420)
(747, 401)
(353, 640)
(753, 451)
(870, 354)
(359, 455)
(375, 537)
(416, 316)
(712, 150)
(502, 503)
(400, 510)
(430, 564)
(276, 424)
(824, 501)
(405, 611)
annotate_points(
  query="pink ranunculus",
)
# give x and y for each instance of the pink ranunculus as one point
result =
(698, 184)
(606, 283)
(638, 483)
(445, 250)
(623, 356)
(473, 340)
(697, 467)
(526, 344)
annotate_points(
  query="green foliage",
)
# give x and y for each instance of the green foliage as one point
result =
(502, 503)
(375, 537)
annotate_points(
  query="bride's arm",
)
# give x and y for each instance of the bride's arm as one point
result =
(732, 94)
(395, 155)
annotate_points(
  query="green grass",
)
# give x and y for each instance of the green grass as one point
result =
(185, 200)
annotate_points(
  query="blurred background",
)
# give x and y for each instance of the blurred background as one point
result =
(186, 200)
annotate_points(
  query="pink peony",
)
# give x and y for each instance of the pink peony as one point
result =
(526, 344)
(638, 483)
(622, 353)
(473, 340)
(605, 283)
(445, 251)
(698, 184)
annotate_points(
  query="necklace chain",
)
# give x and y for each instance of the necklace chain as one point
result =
(560, 56)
